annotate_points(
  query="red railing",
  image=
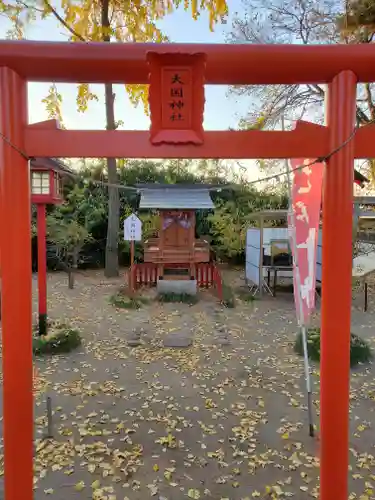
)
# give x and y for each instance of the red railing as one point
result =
(204, 273)
(144, 274)
(218, 282)
(207, 275)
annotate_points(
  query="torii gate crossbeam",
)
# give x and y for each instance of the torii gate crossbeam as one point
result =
(307, 140)
(340, 66)
(230, 64)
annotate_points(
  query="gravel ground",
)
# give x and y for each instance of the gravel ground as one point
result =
(224, 418)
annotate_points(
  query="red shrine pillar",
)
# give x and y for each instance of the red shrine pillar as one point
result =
(16, 290)
(337, 289)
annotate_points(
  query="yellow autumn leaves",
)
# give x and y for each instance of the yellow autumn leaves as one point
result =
(79, 486)
(197, 420)
(134, 21)
(84, 96)
(193, 493)
(53, 103)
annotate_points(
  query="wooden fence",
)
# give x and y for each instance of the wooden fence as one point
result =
(145, 274)
(218, 282)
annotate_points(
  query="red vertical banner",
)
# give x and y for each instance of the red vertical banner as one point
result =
(304, 232)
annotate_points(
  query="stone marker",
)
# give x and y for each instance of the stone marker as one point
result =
(178, 340)
(134, 338)
(222, 341)
(134, 342)
(221, 335)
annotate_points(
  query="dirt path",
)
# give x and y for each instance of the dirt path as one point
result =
(209, 421)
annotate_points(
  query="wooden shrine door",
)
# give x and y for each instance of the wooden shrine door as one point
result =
(176, 234)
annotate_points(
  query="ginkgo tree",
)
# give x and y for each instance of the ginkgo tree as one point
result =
(106, 21)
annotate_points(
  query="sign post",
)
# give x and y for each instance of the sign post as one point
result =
(132, 233)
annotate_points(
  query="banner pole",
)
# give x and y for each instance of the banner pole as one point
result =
(300, 320)
(301, 324)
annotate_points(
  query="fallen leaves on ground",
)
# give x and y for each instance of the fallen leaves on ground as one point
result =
(208, 421)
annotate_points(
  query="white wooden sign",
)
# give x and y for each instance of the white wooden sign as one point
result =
(132, 228)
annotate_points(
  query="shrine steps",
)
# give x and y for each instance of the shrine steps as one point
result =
(175, 277)
(177, 286)
(181, 272)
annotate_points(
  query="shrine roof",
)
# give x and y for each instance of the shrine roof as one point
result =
(51, 163)
(182, 186)
(169, 197)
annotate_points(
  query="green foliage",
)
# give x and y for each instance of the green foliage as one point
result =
(229, 299)
(245, 295)
(68, 226)
(232, 217)
(67, 234)
(60, 339)
(178, 297)
(121, 301)
(78, 227)
(150, 225)
(360, 351)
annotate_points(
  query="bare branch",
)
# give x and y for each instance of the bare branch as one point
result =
(53, 11)
(25, 5)
(293, 21)
(369, 101)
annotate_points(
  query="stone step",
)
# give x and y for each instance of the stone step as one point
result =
(175, 277)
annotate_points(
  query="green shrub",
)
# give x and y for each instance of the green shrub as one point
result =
(228, 299)
(178, 297)
(360, 351)
(60, 339)
(245, 295)
(125, 302)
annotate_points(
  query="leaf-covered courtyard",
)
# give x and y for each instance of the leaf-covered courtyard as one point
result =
(217, 420)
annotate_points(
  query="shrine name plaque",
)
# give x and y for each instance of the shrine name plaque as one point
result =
(176, 97)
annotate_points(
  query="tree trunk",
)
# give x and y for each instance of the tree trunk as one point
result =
(69, 271)
(111, 251)
(70, 278)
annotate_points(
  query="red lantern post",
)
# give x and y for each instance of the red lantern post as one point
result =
(46, 188)
(42, 268)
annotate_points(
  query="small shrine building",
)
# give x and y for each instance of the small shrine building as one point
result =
(176, 254)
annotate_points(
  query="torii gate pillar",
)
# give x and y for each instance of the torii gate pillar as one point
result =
(103, 62)
(16, 278)
(337, 289)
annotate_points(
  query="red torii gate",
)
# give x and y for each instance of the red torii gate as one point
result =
(339, 66)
